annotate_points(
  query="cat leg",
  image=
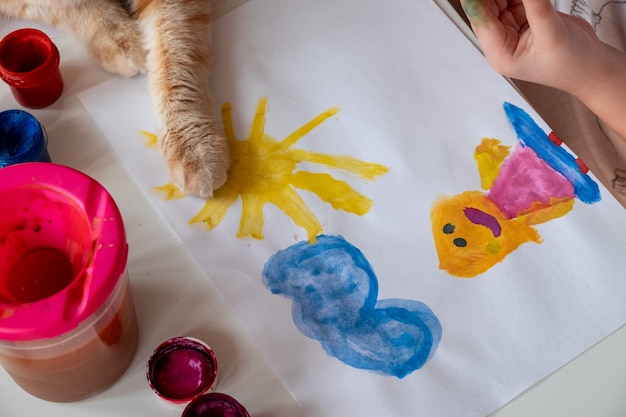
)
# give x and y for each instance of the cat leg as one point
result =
(111, 35)
(179, 61)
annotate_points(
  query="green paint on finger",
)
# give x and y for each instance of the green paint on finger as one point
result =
(475, 10)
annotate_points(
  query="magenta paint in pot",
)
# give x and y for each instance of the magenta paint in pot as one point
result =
(181, 369)
(215, 404)
(22, 139)
(68, 328)
(29, 64)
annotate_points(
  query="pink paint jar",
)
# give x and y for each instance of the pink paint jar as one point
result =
(181, 369)
(29, 64)
(215, 404)
(68, 328)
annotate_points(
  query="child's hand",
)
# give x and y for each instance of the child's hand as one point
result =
(529, 40)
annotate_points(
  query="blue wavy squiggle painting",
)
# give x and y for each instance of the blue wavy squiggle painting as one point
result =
(335, 301)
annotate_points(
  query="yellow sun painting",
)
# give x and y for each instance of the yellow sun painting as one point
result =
(264, 170)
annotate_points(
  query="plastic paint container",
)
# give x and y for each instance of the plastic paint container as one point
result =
(29, 64)
(215, 405)
(68, 328)
(22, 139)
(181, 369)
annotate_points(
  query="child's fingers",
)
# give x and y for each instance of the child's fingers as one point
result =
(491, 33)
(542, 17)
(484, 16)
(537, 9)
(479, 12)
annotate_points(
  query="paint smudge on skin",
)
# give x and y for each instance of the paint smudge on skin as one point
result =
(474, 10)
(264, 170)
(536, 182)
(335, 301)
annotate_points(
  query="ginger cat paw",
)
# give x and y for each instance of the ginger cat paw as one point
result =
(120, 49)
(197, 158)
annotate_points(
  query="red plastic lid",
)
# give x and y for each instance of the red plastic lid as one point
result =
(57, 218)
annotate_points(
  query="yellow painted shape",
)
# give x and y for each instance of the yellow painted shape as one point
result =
(294, 206)
(337, 193)
(307, 128)
(540, 213)
(365, 170)
(264, 170)
(150, 139)
(215, 209)
(489, 156)
(482, 250)
(170, 192)
(252, 217)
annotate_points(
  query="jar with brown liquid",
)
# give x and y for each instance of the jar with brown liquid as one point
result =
(68, 328)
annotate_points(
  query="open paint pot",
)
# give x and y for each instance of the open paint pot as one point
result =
(215, 404)
(29, 64)
(181, 369)
(22, 139)
(68, 328)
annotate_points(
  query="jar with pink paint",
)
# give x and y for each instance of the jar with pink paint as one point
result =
(181, 369)
(68, 328)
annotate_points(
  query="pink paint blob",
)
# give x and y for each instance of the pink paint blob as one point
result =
(215, 405)
(525, 179)
(181, 369)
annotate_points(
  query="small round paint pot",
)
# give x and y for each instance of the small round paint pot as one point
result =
(29, 64)
(22, 139)
(68, 328)
(215, 404)
(181, 369)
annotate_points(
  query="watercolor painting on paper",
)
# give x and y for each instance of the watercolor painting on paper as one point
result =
(416, 340)
(335, 301)
(264, 171)
(536, 182)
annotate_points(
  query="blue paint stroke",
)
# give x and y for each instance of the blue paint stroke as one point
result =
(531, 135)
(335, 291)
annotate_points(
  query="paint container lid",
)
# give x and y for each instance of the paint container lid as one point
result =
(22, 139)
(51, 206)
(181, 369)
(215, 404)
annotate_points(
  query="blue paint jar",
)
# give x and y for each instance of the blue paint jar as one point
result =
(22, 139)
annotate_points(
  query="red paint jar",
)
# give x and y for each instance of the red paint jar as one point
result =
(29, 64)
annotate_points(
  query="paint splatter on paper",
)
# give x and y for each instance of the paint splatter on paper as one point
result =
(335, 301)
(536, 182)
(264, 170)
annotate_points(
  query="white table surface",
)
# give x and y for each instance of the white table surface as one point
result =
(173, 295)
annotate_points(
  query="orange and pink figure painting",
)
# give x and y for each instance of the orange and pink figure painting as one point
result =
(536, 182)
